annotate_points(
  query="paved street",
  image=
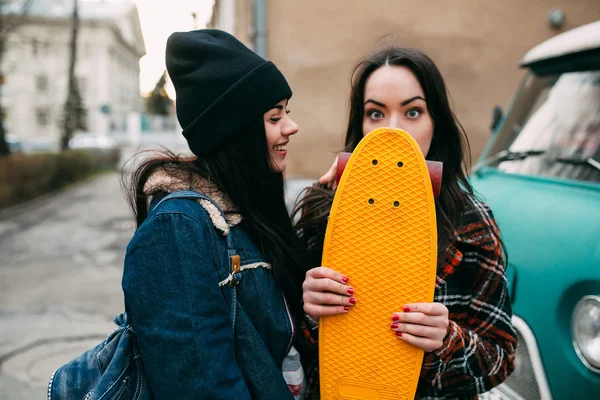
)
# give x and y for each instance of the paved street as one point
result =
(60, 279)
(60, 275)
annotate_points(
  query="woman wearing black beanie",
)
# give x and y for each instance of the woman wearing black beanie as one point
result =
(211, 323)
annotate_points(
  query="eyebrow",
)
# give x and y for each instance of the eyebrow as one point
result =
(405, 102)
(408, 101)
(376, 103)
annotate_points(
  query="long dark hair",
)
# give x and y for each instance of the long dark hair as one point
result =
(243, 171)
(449, 145)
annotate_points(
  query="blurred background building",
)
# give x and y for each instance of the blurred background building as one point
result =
(476, 44)
(35, 65)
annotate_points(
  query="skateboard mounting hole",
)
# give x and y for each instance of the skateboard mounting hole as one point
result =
(396, 203)
(374, 162)
(400, 164)
(371, 201)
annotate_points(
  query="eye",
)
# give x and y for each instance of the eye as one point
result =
(375, 114)
(413, 113)
(275, 119)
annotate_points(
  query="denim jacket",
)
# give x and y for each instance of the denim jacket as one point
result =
(172, 283)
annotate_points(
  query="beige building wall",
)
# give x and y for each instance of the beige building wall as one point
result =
(477, 45)
(244, 27)
(242, 16)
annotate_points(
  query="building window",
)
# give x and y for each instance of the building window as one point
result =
(34, 46)
(41, 84)
(42, 116)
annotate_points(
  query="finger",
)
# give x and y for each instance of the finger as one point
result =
(327, 285)
(418, 318)
(330, 175)
(422, 343)
(316, 311)
(427, 308)
(325, 179)
(331, 184)
(323, 298)
(324, 272)
(425, 332)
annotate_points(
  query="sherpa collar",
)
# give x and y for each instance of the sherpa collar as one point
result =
(172, 180)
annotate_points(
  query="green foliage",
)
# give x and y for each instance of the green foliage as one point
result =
(158, 102)
(26, 176)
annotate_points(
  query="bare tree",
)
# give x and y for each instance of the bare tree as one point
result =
(12, 15)
(70, 112)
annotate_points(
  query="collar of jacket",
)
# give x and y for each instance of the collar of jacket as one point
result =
(172, 179)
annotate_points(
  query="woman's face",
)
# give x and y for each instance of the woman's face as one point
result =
(279, 128)
(394, 99)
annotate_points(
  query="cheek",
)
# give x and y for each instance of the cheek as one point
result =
(424, 135)
(271, 132)
(368, 125)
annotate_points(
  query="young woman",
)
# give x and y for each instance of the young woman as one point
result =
(466, 332)
(232, 106)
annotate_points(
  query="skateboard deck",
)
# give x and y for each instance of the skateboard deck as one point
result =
(382, 235)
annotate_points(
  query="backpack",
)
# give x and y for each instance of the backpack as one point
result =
(113, 370)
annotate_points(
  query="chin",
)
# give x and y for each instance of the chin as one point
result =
(280, 167)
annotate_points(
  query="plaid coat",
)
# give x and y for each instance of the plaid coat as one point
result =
(478, 352)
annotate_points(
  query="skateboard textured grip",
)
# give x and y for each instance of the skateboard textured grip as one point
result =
(382, 235)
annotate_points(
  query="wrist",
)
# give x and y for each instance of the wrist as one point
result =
(451, 332)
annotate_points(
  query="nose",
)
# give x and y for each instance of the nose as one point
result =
(395, 122)
(289, 128)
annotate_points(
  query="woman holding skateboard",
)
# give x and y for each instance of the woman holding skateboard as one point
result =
(466, 332)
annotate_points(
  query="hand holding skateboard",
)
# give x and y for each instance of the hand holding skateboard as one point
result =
(326, 292)
(330, 178)
(423, 325)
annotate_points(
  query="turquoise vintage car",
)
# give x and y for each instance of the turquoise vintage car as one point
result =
(540, 174)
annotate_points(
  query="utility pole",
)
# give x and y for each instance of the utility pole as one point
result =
(70, 117)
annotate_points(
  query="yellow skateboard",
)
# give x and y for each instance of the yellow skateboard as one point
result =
(382, 235)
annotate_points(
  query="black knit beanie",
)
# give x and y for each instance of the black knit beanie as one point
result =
(221, 85)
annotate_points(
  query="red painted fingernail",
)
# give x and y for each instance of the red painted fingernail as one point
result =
(399, 334)
(350, 291)
(352, 300)
(346, 308)
(406, 309)
(395, 317)
(345, 279)
(394, 326)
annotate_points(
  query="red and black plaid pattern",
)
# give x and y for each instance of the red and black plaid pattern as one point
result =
(479, 350)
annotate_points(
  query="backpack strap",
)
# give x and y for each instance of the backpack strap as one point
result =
(233, 258)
